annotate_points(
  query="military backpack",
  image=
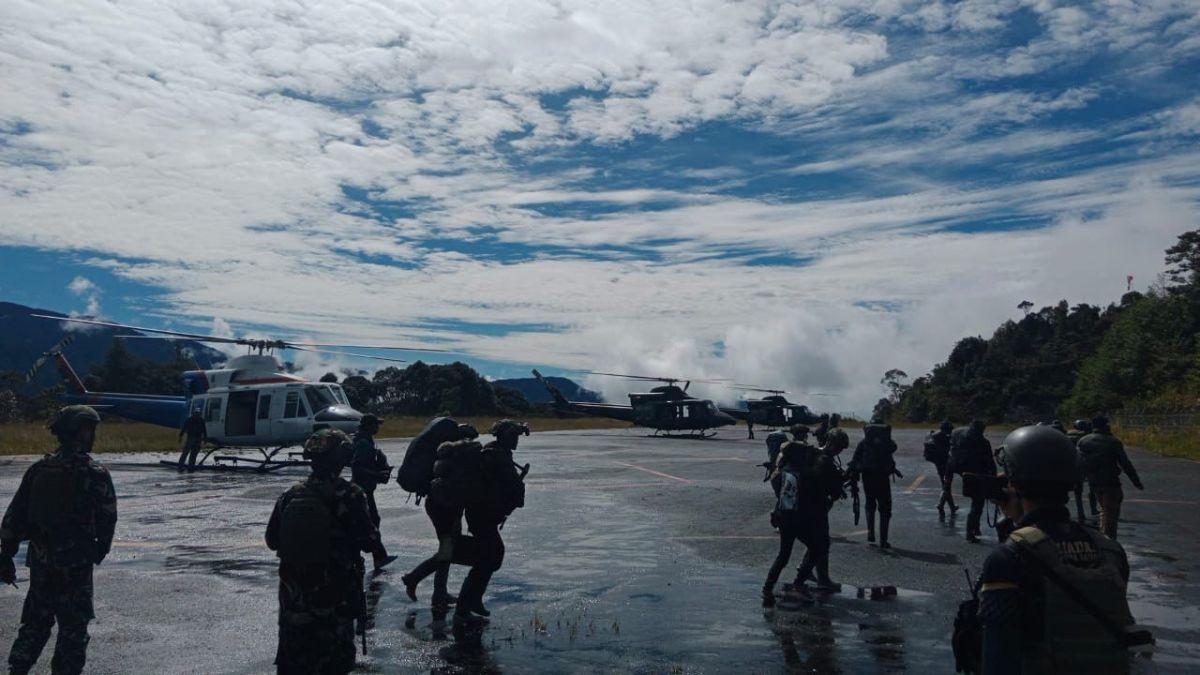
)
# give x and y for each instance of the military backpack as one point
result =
(306, 528)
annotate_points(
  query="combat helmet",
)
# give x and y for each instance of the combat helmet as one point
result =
(326, 443)
(1039, 454)
(68, 420)
(468, 432)
(799, 431)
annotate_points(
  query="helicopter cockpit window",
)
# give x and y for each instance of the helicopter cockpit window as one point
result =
(338, 394)
(319, 397)
(711, 408)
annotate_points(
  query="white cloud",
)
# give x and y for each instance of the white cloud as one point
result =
(88, 290)
(203, 148)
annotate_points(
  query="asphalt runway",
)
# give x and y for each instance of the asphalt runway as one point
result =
(633, 554)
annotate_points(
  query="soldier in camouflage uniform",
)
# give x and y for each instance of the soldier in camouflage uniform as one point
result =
(66, 507)
(318, 528)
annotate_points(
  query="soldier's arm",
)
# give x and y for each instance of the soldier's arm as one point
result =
(1127, 466)
(362, 462)
(1000, 612)
(15, 527)
(104, 500)
(272, 536)
(991, 457)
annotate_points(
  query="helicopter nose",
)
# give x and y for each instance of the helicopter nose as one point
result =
(339, 414)
(726, 419)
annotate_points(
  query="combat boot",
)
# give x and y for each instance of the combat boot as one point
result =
(824, 583)
(768, 597)
(884, 523)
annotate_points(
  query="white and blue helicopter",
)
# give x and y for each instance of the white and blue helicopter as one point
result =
(247, 403)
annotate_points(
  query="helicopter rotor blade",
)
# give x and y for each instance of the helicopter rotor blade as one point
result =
(188, 336)
(357, 356)
(669, 380)
(402, 349)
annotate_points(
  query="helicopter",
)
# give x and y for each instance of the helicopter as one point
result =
(247, 403)
(666, 408)
(772, 410)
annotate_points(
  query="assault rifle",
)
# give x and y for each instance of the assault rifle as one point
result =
(855, 503)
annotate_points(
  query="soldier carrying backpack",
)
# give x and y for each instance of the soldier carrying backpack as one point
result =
(456, 481)
(318, 528)
(937, 452)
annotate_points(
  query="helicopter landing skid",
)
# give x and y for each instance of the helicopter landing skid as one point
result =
(694, 435)
(267, 464)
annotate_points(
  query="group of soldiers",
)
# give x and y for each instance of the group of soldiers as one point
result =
(1100, 461)
(66, 508)
(1051, 598)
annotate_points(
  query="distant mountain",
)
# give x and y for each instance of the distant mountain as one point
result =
(23, 339)
(535, 393)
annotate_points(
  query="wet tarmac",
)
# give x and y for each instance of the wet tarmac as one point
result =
(633, 554)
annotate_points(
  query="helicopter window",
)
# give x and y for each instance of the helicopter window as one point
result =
(319, 398)
(710, 407)
(339, 394)
(264, 406)
(290, 403)
(213, 413)
(683, 411)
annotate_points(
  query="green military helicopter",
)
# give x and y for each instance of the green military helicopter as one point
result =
(667, 409)
(772, 410)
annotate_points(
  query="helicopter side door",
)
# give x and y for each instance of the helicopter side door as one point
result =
(240, 416)
(214, 417)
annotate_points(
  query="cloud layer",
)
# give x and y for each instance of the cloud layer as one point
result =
(794, 194)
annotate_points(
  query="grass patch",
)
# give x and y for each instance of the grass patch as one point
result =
(1183, 443)
(32, 438)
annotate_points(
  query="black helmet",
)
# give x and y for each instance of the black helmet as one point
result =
(370, 420)
(1083, 425)
(947, 425)
(799, 431)
(1058, 426)
(835, 419)
(68, 420)
(1039, 454)
(468, 432)
(1100, 423)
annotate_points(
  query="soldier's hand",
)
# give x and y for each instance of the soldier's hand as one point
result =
(8, 571)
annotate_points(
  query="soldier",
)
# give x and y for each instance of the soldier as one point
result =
(1082, 428)
(821, 433)
(194, 428)
(503, 492)
(1053, 594)
(66, 507)
(369, 468)
(446, 513)
(873, 461)
(806, 477)
(318, 528)
(1104, 458)
(775, 442)
(937, 451)
(836, 439)
(970, 452)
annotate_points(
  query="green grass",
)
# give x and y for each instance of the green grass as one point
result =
(31, 438)
(1183, 443)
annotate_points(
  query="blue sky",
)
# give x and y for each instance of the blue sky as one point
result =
(825, 190)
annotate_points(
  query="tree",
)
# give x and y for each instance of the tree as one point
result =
(329, 377)
(1183, 261)
(893, 381)
(1025, 306)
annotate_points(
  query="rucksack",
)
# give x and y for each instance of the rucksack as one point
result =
(54, 495)
(416, 471)
(306, 528)
(936, 449)
(458, 473)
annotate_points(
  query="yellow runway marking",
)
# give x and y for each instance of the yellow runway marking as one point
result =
(656, 473)
(916, 484)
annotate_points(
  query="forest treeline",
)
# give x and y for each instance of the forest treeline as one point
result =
(1067, 362)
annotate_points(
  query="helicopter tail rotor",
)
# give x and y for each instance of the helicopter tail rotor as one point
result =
(47, 355)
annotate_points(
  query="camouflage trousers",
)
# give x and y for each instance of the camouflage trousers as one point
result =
(316, 629)
(62, 594)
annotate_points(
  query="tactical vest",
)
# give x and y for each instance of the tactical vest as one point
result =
(54, 498)
(1073, 641)
(306, 528)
